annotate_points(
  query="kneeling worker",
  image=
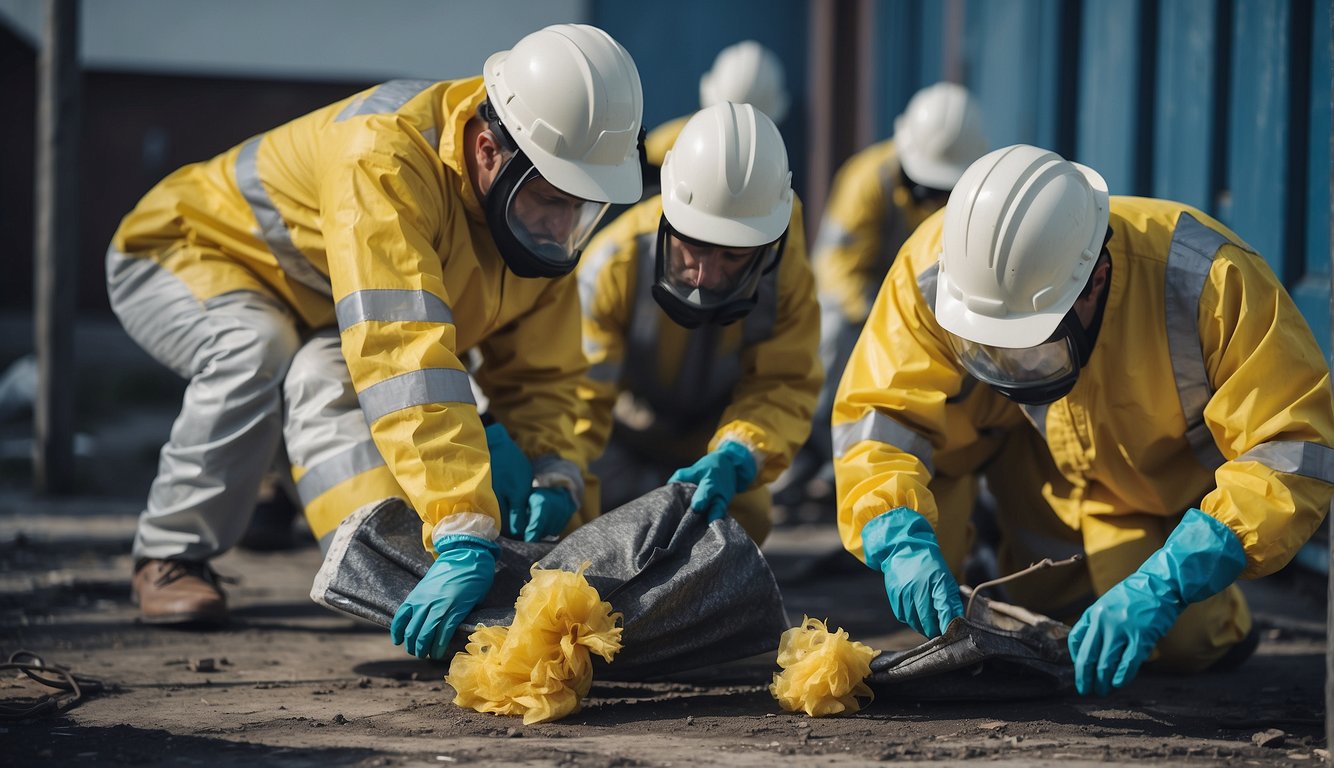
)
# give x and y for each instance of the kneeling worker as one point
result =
(701, 325)
(1109, 362)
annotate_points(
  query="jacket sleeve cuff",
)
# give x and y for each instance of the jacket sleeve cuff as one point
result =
(551, 471)
(744, 439)
(466, 524)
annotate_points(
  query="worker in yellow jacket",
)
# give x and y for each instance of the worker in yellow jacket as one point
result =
(879, 196)
(395, 230)
(700, 325)
(1109, 363)
(742, 73)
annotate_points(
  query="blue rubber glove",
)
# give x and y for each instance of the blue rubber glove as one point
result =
(1115, 635)
(922, 592)
(511, 479)
(549, 509)
(721, 474)
(456, 582)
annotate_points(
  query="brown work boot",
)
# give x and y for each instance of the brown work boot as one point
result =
(178, 592)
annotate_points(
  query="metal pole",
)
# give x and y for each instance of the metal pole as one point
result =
(820, 105)
(1329, 595)
(838, 115)
(55, 241)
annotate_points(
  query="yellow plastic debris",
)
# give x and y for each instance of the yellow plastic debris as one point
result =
(824, 672)
(538, 667)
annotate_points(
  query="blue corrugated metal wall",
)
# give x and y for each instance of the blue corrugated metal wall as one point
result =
(1222, 104)
(675, 43)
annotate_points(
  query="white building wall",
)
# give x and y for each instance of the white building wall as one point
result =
(299, 39)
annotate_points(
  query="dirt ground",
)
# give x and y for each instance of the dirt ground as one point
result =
(290, 684)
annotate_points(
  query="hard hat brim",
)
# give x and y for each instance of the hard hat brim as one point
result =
(1014, 332)
(1017, 330)
(619, 184)
(724, 231)
(936, 175)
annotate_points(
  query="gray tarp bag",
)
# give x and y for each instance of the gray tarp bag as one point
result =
(999, 651)
(693, 593)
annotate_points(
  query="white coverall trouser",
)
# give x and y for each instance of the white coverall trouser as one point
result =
(234, 349)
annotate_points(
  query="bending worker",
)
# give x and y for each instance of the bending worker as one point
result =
(1112, 360)
(879, 196)
(700, 324)
(398, 229)
(742, 73)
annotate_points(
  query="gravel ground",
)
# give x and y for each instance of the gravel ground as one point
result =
(290, 684)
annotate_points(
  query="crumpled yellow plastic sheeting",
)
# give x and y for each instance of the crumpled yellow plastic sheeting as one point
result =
(540, 666)
(824, 672)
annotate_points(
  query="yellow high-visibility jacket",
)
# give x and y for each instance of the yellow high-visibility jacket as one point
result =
(1205, 388)
(754, 381)
(361, 213)
(869, 215)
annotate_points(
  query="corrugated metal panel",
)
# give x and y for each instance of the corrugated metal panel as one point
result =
(1318, 162)
(1059, 75)
(1186, 121)
(1312, 291)
(900, 57)
(1004, 46)
(1111, 93)
(932, 16)
(1259, 190)
(675, 43)
(1222, 104)
(1022, 65)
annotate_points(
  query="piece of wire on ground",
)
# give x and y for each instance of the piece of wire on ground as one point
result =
(1042, 564)
(73, 688)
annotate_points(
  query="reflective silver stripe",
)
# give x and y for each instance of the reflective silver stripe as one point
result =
(362, 457)
(883, 429)
(605, 372)
(590, 272)
(644, 321)
(550, 464)
(832, 235)
(1295, 458)
(1037, 416)
(432, 136)
(271, 225)
(1188, 262)
(926, 283)
(888, 172)
(759, 324)
(389, 97)
(894, 229)
(391, 306)
(428, 387)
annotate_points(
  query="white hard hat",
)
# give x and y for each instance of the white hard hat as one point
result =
(570, 97)
(939, 135)
(1023, 229)
(726, 193)
(726, 179)
(746, 73)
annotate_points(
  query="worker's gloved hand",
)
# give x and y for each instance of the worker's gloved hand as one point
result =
(1117, 633)
(456, 582)
(549, 510)
(721, 474)
(922, 592)
(511, 479)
